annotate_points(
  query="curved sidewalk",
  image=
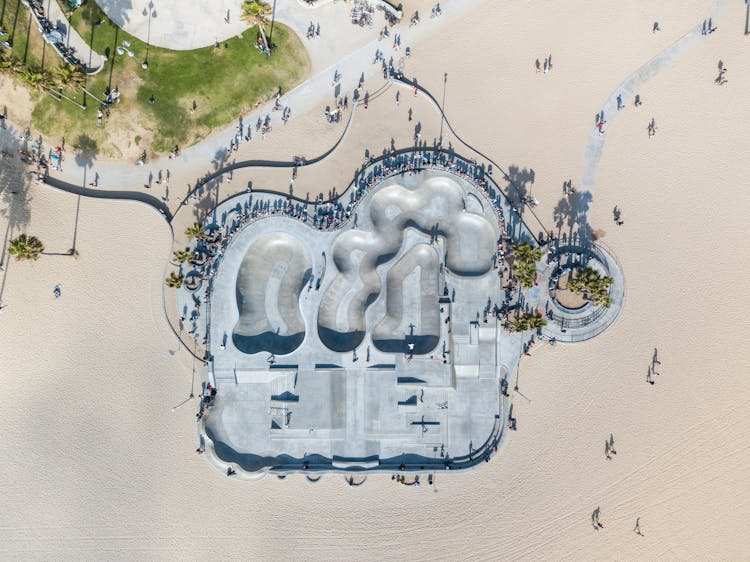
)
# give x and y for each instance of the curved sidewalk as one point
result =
(92, 61)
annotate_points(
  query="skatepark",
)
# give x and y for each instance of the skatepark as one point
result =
(363, 347)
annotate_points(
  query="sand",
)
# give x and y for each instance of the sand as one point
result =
(96, 465)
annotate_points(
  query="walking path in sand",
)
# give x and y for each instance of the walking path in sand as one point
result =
(628, 90)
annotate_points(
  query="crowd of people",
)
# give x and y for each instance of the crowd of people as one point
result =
(207, 401)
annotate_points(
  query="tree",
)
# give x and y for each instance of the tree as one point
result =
(520, 324)
(181, 256)
(524, 267)
(257, 12)
(591, 285)
(68, 74)
(524, 322)
(537, 321)
(34, 77)
(175, 280)
(26, 247)
(196, 231)
(9, 62)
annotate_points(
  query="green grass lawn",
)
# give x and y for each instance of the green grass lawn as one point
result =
(224, 83)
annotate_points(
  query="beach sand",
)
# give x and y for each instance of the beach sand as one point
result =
(97, 465)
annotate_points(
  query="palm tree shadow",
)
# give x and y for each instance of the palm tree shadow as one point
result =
(87, 150)
(518, 193)
(519, 185)
(570, 217)
(14, 189)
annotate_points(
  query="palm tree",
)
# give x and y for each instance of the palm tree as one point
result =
(527, 252)
(9, 62)
(26, 247)
(175, 280)
(520, 324)
(67, 74)
(524, 322)
(181, 256)
(33, 77)
(592, 285)
(196, 231)
(256, 12)
(524, 266)
(36, 77)
(537, 321)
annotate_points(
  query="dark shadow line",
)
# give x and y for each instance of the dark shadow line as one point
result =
(5, 242)
(44, 43)
(75, 227)
(91, 44)
(5, 277)
(114, 56)
(28, 36)
(102, 194)
(2, 260)
(15, 23)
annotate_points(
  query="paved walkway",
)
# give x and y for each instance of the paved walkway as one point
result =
(92, 61)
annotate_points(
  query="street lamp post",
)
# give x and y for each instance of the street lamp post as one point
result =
(151, 13)
(270, 33)
(442, 108)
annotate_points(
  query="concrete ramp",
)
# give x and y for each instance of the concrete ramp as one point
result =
(435, 208)
(270, 280)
